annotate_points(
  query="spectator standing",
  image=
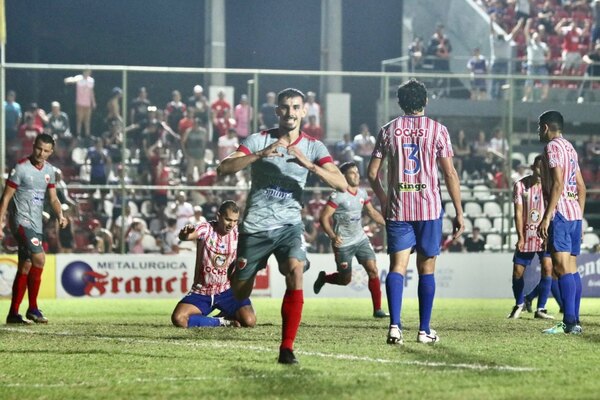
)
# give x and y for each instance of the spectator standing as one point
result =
(439, 49)
(267, 118)
(217, 110)
(592, 60)
(538, 56)
(243, 117)
(58, 124)
(169, 239)
(311, 128)
(416, 53)
(365, 144)
(85, 100)
(26, 136)
(134, 238)
(138, 110)
(199, 103)
(227, 144)
(571, 37)
(595, 35)
(12, 117)
(174, 110)
(312, 107)
(113, 107)
(501, 58)
(193, 144)
(182, 209)
(478, 67)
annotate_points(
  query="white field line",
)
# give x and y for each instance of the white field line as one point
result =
(258, 349)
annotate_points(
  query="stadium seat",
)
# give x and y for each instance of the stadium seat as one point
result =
(465, 193)
(149, 244)
(493, 242)
(585, 226)
(447, 227)
(520, 157)
(501, 224)
(590, 240)
(492, 209)
(531, 158)
(108, 207)
(78, 155)
(484, 224)
(472, 209)
(135, 211)
(146, 209)
(449, 209)
(510, 241)
(482, 192)
(468, 225)
(445, 195)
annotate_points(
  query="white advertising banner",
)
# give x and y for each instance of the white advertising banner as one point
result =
(130, 276)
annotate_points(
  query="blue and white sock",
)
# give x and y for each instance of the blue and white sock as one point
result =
(394, 287)
(426, 292)
(198, 320)
(544, 287)
(567, 292)
(517, 286)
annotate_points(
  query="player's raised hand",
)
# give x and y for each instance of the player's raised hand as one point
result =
(272, 149)
(186, 230)
(299, 158)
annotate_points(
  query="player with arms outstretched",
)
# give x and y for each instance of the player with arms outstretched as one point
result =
(413, 145)
(280, 160)
(348, 237)
(23, 199)
(216, 248)
(561, 224)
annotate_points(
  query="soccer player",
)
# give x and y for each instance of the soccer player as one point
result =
(414, 144)
(23, 199)
(216, 243)
(528, 202)
(561, 224)
(280, 160)
(348, 237)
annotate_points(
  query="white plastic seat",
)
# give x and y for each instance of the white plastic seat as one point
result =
(585, 226)
(468, 225)
(520, 157)
(483, 223)
(590, 240)
(510, 241)
(531, 158)
(449, 209)
(482, 192)
(465, 193)
(493, 241)
(472, 209)
(447, 227)
(149, 243)
(501, 224)
(492, 209)
(135, 212)
(78, 155)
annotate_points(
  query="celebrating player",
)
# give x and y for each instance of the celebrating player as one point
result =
(26, 187)
(413, 145)
(216, 243)
(561, 224)
(348, 238)
(281, 159)
(528, 202)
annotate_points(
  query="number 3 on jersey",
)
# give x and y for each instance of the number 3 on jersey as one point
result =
(412, 158)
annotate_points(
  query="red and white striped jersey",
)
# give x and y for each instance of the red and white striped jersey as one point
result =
(559, 152)
(412, 145)
(531, 196)
(214, 254)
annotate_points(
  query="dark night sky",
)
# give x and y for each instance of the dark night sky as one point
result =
(271, 34)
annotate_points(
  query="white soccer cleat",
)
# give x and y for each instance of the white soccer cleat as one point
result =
(394, 335)
(542, 314)
(431, 337)
(516, 312)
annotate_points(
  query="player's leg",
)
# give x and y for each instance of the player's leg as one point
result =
(252, 255)
(291, 257)
(575, 250)
(401, 239)
(80, 114)
(555, 289)
(34, 280)
(544, 285)
(240, 312)
(21, 278)
(343, 275)
(87, 120)
(428, 236)
(366, 257)
(520, 262)
(192, 312)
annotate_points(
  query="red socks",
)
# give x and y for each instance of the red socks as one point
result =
(375, 289)
(18, 292)
(33, 286)
(291, 314)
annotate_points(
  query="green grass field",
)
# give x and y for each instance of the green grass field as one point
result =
(111, 349)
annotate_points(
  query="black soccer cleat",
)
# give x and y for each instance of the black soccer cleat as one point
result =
(16, 319)
(286, 356)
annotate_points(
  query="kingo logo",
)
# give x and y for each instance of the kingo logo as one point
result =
(78, 279)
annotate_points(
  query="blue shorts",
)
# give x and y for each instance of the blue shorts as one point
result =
(344, 255)
(424, 236)
(525, 258)
(224, 302)
(564, 236)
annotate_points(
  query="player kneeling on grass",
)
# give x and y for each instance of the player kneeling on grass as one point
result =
(216, 243)
(348, 237)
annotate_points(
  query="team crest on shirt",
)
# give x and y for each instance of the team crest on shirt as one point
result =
(47, 178)
(12, 172)
(36, 242)
(333, 195)
(219, 260)
(534, 215)
(241, 263)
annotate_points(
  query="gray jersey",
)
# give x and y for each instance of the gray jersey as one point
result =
(347, 218)
(30, 184)
(275, 196)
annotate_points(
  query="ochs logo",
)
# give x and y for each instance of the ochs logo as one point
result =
(78, 278)
(534, 215)
(241, 263)
(36, 242)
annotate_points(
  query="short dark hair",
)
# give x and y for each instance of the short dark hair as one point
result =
(346, 166)
(412, 96)
(288, 93)
(228, 205)
(44, 138)
(553, 119)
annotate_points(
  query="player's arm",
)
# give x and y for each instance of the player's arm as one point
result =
(57, 207)
(328, 172)
(554, 195)
(325, 220)
(188, 232)
(374, 214)
(453, 186)
(581, 190)
(518, 208)
(7, 196)
(239, 160)
(373, 175)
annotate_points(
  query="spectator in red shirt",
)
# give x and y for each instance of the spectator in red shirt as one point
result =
(312, 128)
